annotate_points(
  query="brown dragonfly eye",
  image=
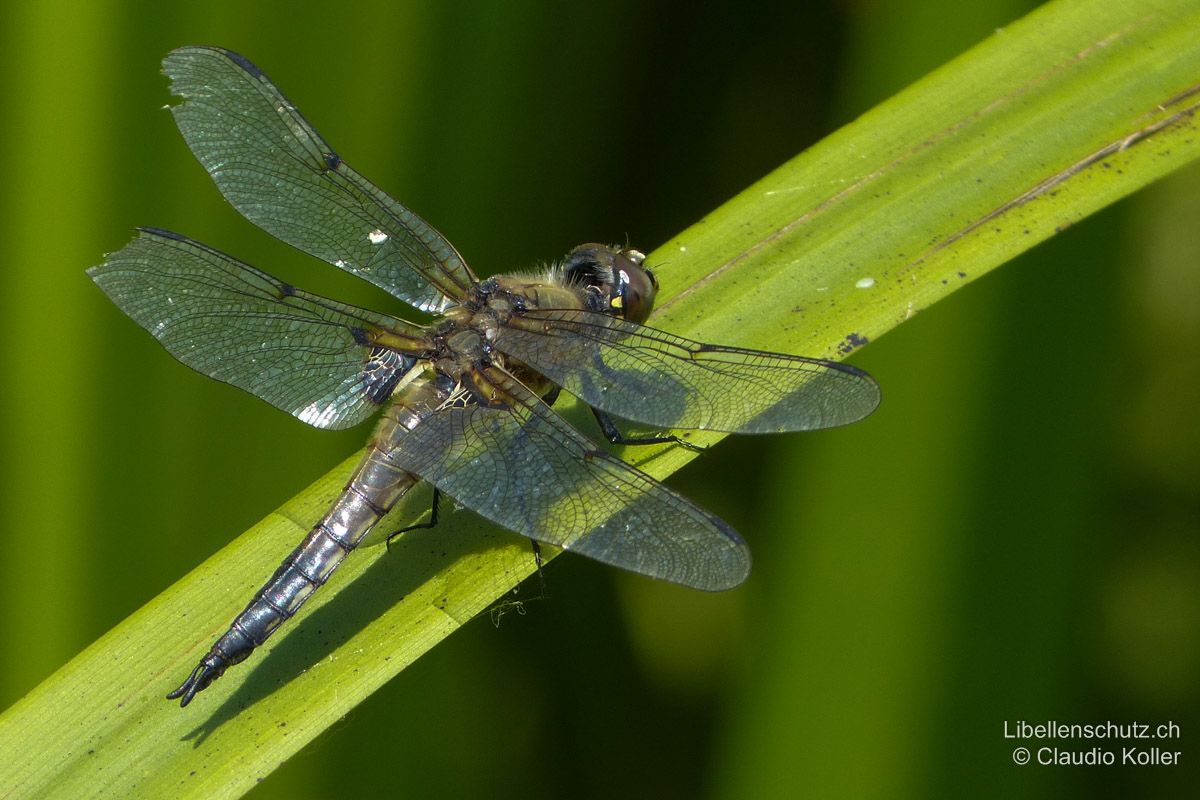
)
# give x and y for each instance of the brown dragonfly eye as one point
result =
(635, 287)
(628, 288)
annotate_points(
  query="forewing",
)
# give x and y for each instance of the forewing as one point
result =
(282, 176)
(309, 356)
(528, 470)
(656, 378)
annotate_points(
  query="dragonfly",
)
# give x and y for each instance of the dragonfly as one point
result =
(467, 397)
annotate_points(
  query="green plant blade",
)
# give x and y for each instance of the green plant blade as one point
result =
(1058, 115)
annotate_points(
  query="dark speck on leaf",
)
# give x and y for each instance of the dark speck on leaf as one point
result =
(962, 274)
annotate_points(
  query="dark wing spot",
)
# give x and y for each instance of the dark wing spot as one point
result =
(163, 232)
(242, 62)
(332, 161)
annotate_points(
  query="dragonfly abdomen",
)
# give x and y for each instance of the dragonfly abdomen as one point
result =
(369, 495)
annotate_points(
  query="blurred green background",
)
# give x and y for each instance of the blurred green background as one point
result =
(1013, 536)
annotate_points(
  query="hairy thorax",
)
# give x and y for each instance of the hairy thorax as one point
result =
(465, 341)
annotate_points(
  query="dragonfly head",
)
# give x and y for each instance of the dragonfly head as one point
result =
(617, 275)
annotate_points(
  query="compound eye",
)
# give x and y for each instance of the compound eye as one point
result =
(653, 279)
(635, 290)
(620, 283)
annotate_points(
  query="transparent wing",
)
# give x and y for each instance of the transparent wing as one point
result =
(316, 359)
(653, 377)
(528, 470)
(282, 176)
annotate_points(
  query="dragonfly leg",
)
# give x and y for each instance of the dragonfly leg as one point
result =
(432, 523)
(614, 435)
(499, 610)
(537, 559)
